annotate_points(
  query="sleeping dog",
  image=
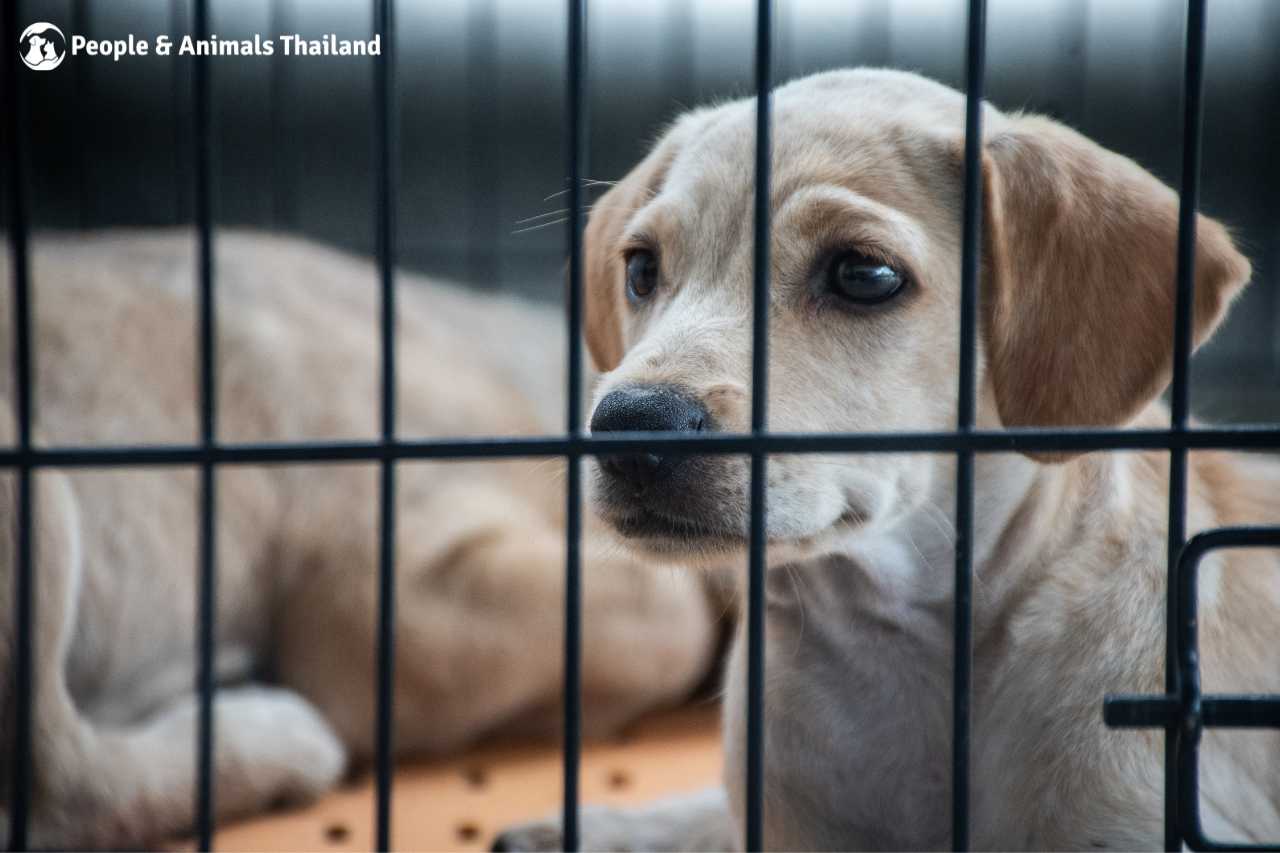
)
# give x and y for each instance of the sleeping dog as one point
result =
(1076, 322)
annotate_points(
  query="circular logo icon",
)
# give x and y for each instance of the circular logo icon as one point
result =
(42, 46)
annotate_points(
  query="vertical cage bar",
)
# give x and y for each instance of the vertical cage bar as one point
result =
(180, 88)
(385, 134)
(284, 203)
(1188, 201)
(21, 775)
(84, 96)
(754, 830)
(484, 178)
(207, 617)
(576, 155)
(1190, 719)
(23, 682)
(970, 235)
(207, 586)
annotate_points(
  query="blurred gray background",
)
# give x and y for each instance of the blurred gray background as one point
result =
(481, 90)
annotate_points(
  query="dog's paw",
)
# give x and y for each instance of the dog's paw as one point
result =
(599, 828)
(274, 748)
(539, 835)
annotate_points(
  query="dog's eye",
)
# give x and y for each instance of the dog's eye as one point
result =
(857, 278)
(642, 274)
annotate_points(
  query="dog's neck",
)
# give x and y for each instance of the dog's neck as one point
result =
(1025, 513)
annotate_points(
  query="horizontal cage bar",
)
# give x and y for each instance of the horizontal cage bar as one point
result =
(978, 441)
(1216, 711)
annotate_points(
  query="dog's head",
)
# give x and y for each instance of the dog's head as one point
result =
(1077, 299)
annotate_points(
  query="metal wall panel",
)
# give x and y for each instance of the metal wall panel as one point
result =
(483, 113)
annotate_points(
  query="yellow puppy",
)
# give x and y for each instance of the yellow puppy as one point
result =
(1069, 592)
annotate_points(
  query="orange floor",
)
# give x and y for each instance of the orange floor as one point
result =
(461, 802)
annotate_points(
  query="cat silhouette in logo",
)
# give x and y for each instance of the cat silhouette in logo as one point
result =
(43, 47)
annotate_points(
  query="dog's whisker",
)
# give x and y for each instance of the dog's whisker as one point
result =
(563, 214)
(540, 225)
(944, 522)
(941, 522)
(586, 182)
(916, 547)
(537, 216)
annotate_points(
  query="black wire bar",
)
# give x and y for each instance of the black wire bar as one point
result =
(206, 334)
(979, 441)
(386, 133)
(1188, 201)
(24, 615)
(753, 831)
(970, 245)
(576, 157)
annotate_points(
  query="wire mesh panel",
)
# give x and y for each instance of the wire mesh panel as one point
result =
(1182, 685)
(1182, 711)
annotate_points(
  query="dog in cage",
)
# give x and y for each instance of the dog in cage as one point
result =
(480, 553)
(1075, 329)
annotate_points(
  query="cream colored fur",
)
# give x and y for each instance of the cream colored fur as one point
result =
(480, 548)
(1070, 558)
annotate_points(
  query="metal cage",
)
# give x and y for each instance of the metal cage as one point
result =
(1182, 711)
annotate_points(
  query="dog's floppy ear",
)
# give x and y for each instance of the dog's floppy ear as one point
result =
(1080, 263)
(604, 298)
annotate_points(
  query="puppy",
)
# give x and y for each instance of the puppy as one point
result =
(1075, 330)
(480, 548)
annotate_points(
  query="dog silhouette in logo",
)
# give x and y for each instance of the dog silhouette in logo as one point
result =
(42, 47)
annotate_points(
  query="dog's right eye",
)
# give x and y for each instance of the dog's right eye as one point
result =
(642, 274)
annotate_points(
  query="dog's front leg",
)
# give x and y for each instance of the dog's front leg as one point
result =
(699, 821)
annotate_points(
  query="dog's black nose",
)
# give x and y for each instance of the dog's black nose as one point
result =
(646, 408)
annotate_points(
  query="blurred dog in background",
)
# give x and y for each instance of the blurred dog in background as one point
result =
(480, 549)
